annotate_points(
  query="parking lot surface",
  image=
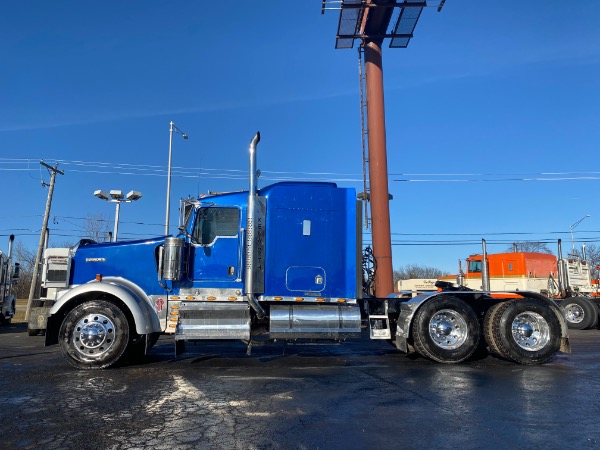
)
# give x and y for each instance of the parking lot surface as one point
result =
(359, 394)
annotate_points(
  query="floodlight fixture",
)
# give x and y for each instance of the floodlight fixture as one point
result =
(116, 194)
(133, 195)
(101, 194)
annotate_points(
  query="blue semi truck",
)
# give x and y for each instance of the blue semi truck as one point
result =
(281, 262)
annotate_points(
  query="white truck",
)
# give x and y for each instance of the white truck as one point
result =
(55, 267)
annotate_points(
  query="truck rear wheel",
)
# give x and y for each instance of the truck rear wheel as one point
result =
(526, 331)
(446, 330)
(94, 335)
(580, 313)
(488, 329)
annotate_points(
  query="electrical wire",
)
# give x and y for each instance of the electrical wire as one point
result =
(100, 167)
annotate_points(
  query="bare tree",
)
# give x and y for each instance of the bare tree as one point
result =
(416, 271)
(26, 258)
(530, 246)
(97, 227)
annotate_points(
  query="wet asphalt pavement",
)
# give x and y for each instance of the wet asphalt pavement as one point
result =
(361, 394)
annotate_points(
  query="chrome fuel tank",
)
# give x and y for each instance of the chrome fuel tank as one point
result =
(314, 321)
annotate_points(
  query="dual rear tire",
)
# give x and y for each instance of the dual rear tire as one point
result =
(581, 313)
(446, 329)
(525, 331)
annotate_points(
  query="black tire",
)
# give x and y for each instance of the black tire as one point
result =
(136, 349)
(526, 331)
(33, 331)
(7, 320)
(488, 332)
(446, 330)
(580, 313)
(107, 335)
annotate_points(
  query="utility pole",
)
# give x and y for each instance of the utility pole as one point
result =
(54, 170)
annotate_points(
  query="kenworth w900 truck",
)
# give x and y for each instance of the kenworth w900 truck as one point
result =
(283, 262)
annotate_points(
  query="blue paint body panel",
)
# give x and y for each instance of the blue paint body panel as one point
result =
(208, 265)
(133, 260)
(295, 259)
(310, 246)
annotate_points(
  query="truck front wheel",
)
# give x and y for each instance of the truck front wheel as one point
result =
(526, 331)
(94, 335)
(446, 330)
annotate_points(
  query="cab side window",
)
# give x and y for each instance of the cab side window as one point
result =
(212, 223)
(474, 266)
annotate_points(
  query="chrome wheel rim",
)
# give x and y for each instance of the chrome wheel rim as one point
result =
(94, 335)
(530, 331)
(448, 329)
(574, 313)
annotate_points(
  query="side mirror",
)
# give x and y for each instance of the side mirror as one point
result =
(15, 274)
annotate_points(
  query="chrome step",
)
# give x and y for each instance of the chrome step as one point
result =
(204, 320)
(379, 324)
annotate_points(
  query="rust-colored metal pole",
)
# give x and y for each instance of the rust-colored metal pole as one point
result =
(378, 175)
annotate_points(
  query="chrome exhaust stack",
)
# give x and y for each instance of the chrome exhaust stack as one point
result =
(562, 275)
(255, 236)
(485, 276)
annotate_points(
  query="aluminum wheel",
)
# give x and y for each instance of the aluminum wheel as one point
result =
(94, 335)
(448, 329)
(574, 313)
(530, 331)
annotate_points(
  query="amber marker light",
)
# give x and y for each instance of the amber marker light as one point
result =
(212, 298)
(320, 299)
(278, 299)
(299, 299)
(98, 277)
(233, 299)
(341, 300)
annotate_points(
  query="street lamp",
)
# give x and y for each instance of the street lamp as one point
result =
(573, 226)
(185, 136)
(117, 197)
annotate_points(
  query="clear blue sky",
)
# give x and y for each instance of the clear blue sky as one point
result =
(506, 90)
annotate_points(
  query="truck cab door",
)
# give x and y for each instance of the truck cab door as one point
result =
(216, 247)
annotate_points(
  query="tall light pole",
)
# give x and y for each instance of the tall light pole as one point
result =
(573, 226)
(118, 198)
(172, 129)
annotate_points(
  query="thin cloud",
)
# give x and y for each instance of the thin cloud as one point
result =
(113, 116)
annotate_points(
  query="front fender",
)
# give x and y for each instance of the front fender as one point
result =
(132, 296)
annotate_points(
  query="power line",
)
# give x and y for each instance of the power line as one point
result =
(193, 172)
